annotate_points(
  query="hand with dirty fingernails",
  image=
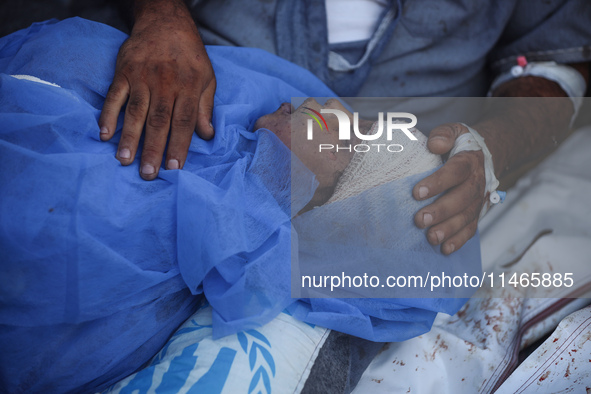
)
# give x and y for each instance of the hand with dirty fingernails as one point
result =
(165, 76)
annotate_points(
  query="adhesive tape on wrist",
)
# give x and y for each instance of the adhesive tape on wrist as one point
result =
(473, 141)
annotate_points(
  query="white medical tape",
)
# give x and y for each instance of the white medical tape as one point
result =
(473, 141)
(569, 79)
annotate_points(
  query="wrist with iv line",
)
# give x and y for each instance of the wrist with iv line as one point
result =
(569, 80)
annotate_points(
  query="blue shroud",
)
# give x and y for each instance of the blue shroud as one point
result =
(98, 266)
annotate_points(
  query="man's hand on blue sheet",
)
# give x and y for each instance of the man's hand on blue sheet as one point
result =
(165, 76)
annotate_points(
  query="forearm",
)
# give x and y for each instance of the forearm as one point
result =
(148, 10)
(522, 128)
(163, 19)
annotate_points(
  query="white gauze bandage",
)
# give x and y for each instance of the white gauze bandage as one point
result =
(473, 141)
(374, 168)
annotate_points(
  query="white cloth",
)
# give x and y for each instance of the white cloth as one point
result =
(373, 168)
(352, 20)
(473, 350)
(560, 364)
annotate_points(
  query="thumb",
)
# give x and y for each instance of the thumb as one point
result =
(442, 138)
(204, 127)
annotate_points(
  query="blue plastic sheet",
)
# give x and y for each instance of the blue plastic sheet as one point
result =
(98, 266)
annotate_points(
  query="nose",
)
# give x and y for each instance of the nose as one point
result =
(286, 108)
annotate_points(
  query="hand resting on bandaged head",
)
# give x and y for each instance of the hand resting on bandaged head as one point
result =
(345, 173)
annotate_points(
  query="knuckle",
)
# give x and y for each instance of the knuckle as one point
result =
(439, 214)
(443, 209)
(128, 140)
(136, 107)
(162, 107)
(452, 130)
(183, 121)
(151, 151)
(464, 159)
(158, 120)
(196, 79)
(458, 129)
(128, 68)
(432, 179)
(206, 107)
(116, 89)
(310, 102)
(439, 183)
(156, 68)
(333, 103)
(194, 70)
(159, 116)
(473, 162)
(444, 130)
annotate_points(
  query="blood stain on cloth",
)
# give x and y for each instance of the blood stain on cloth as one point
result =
(544, 376)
